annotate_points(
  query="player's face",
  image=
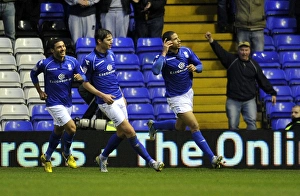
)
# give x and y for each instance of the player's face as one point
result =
(296, 112)
(244, 53)
(59, 50)
(107, 42)
(176, 41)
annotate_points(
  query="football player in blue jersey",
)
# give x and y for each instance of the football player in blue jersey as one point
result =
(177, 64)
(59, 72)
(101, 72)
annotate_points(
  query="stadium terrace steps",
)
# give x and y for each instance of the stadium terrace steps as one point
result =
(191, 19)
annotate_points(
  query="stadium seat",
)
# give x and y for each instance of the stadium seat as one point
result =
(130, 79)
(267, 59)
(293, 76)
(281, 25)
(296, 93)
(152, 80)
(280, 124)
(269, 43)
(85, 45)
(146, 60)
(277, 8)
(78, 110)
(276, 76)
(54, 28)
(10, 79)
(43, 125)
(25, 29)
(28, 45)
(290, 59)
(140, 125)
(157, 95)
(279, 110)
(39, 112)
(50, 10)
(32, 96)
(17, 125)
(28, 61)
(6, 45)
(146, 45)
(7, 62)
(287, 42)
(284, 94)
(142, 111)
(12, 96)
(136, 95)
(26, 79)
(127, 62)
(14, 112)
(123, 45)
(163, 112)
(76, 98)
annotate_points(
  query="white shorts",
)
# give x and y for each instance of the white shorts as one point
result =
(117, 112)
(60, 114)
(182, 103)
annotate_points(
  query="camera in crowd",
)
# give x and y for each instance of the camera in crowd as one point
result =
(98, 124)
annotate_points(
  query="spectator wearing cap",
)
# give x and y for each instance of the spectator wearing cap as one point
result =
(243, 76)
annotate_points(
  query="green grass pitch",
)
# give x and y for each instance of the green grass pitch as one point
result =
(86, 181)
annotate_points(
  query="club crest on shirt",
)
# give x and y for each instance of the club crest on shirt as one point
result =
(61, 76)
(109, 67)
(186, 55)
(69, 67)
(181, 65)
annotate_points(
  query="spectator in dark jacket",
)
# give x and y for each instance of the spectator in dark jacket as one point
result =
(243, 75)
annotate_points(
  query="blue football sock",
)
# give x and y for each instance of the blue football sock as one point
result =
(54, 140)
(140, 149)
(201, 142)
(164, 125)
(112, 144)
(68, 139)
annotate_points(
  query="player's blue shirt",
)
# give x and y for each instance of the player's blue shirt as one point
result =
(101, 72)
(58, 78)
(178, 79)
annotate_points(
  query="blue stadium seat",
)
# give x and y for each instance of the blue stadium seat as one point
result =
(127, 62)
(284, 93)
(76, 98)
(277, 8)
(123, 45)
(152, 80)
(279, 110)
(140, 125)
(296, 93)
(136, 95)
(146, 60)
(146, 45)
(142, 111)
(43, 125)
(51, 10)
(287, 42)
(269, 43)
(39, 112)
(267, 59)
(281, 25)
(280, 124)
(130, 79)
(85, 45)
(163, 112)
(290, 59)
(78, 110)
(157, 95)
(293, 76)
(276, 76)
(17, 125)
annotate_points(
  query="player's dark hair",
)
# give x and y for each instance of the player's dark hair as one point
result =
(102, 34)
(53, 41)
(167, 35)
